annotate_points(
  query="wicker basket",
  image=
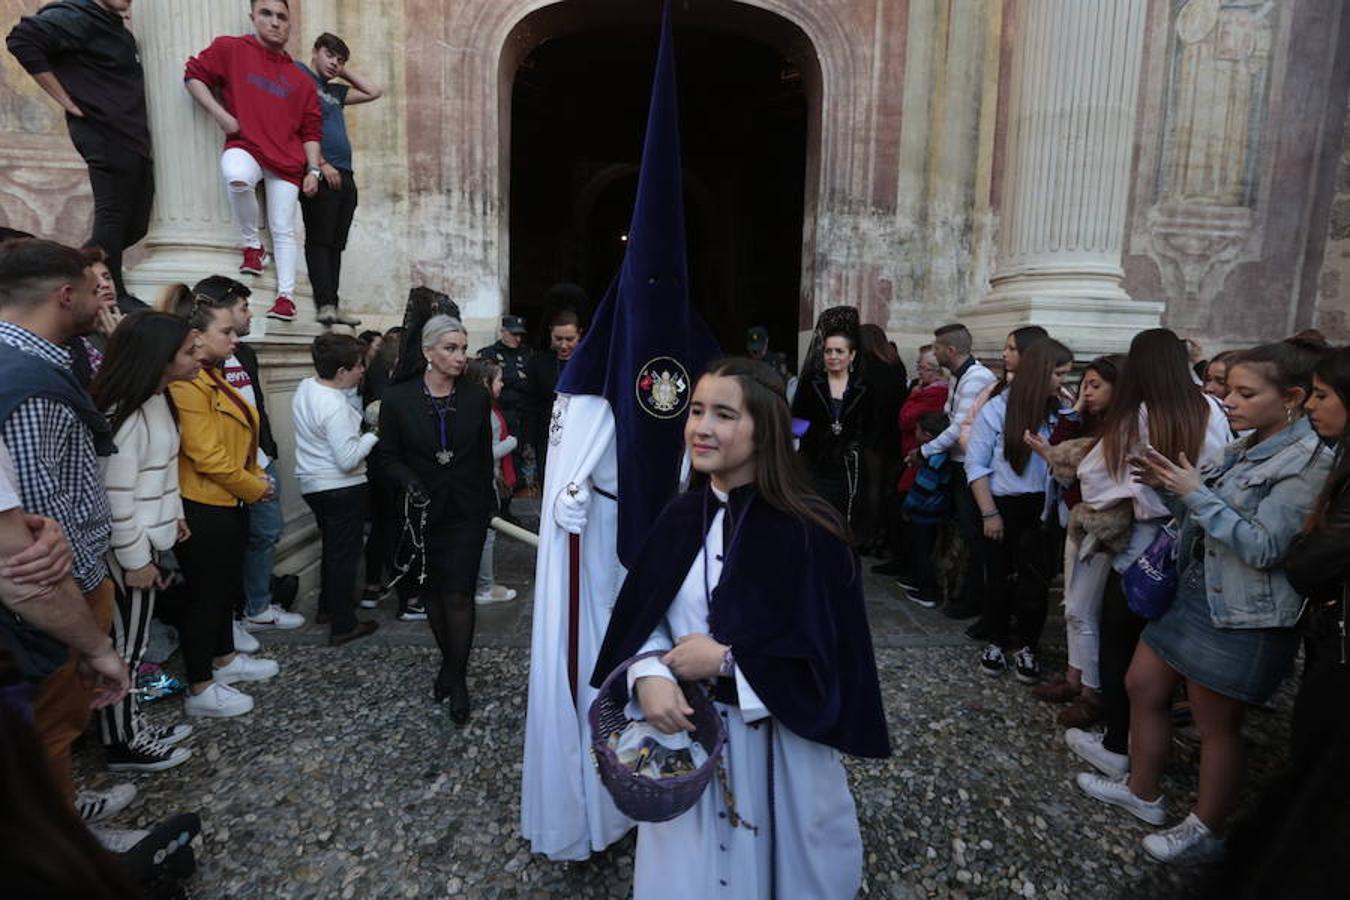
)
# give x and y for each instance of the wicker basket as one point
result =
(636, 796)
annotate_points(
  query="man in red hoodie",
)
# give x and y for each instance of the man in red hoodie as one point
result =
(270, 114)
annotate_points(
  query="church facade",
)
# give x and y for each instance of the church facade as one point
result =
(1094, 167)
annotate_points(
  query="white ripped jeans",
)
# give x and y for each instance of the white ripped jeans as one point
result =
(242, 174)
(1084, 584)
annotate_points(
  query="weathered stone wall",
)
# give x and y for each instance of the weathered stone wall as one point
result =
(1230, 190)
(1333, 285)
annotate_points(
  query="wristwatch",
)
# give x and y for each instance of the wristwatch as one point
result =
(315, 171)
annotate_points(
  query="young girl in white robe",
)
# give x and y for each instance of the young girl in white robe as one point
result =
(747, 583)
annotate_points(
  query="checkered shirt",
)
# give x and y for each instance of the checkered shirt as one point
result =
(57, 465)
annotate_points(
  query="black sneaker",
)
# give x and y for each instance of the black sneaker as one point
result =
(1026, 668)
(992, 662)
(145, 755)
(168, 735)
(370, 597)
(919, 600)
(413, 612)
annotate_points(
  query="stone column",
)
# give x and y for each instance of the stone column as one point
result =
(192, 234)
(1073, 92)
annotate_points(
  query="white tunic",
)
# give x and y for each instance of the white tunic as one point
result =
(565, 812)
(817, 848)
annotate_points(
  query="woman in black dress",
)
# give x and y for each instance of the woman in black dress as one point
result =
(838, 406)
(437, 444)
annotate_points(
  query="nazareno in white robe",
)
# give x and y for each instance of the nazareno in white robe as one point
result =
(565, 812)
(817, 850)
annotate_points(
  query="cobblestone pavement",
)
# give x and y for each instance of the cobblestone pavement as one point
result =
(346, 781)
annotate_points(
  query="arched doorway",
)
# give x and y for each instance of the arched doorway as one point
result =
(578, 104)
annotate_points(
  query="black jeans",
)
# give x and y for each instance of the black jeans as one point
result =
(123, 183)
(328, 220)
(1018, 583)
(1119, 634)
(212, 561)
(340, 514)
(971, 527)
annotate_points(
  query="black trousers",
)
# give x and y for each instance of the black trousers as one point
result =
(328, 220)
(1118, 635)
(212, 561)
(123, 183)
(1018, 585)
(971, 528)
(1320, 717)
(382, 509)
(922, 541)
(340, 514)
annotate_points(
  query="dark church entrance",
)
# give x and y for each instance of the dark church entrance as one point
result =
(578, 113)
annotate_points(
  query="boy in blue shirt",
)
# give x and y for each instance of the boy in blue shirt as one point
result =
(927, 506)
(328, 214)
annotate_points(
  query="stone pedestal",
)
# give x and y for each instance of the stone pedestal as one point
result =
(192, 234)
(1072, 103)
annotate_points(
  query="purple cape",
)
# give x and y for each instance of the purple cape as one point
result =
(789, 604)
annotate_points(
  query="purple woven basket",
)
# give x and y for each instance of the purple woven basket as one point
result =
(636, 796)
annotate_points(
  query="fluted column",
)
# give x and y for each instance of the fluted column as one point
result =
(1073, 97)
(192, 234)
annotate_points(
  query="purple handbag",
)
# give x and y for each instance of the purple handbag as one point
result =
(1150, 583)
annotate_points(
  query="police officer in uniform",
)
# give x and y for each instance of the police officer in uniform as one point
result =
(511, 353)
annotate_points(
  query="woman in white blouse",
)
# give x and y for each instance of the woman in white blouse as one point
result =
(147, 352)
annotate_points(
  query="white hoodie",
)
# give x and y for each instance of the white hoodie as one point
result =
(330, 450)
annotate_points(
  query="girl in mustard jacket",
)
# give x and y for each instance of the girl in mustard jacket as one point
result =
(217, 474)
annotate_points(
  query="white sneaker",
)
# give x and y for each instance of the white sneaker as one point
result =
(1087, 746)
(218, 701)
(498, 594)
(94, 806)
(246, 668)
(119, 840)
(273, 617)
(1116, 792)
(243, 641)
(1189, 843)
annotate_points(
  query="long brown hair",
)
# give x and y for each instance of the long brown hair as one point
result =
(876, 344)
(1334, 371)
(779, 477)
(1157, 378)
(1030, 397)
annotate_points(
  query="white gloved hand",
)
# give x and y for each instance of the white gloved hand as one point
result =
(569, 510)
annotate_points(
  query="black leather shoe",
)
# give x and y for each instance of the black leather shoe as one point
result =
(362, 629)
(459, 704)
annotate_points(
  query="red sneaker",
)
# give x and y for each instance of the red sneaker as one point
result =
(283, 309)
(255, 260)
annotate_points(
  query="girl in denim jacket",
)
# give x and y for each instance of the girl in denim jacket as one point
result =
(1229, 633)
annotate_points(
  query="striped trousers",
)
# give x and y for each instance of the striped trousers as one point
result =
(123, 720)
